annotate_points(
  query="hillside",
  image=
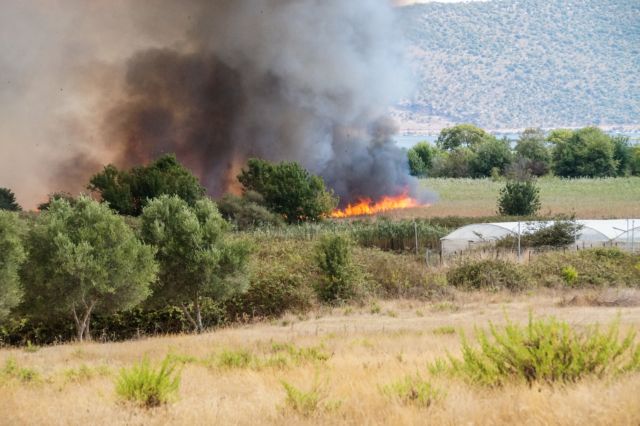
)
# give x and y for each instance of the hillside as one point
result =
(519, 63)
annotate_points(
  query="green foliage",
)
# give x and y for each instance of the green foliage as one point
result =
(532, 149)
(197, 257)
(545, 351)
(444, 330)
(487, 274)
(147, 385)
(461, 135)
(600, 267)
(12, 255)
(397, 235)
(420, 158)
(413, 390)
(235, 359)
(588, 152)
(634, 161)
(622, 155)
(128, 192)
(569, 275)
(57, 196)
(8, 200)
(519, 198)
(340, 278)
(84, 259)
(288, 190)
(248, 211)
(561, 233)
(303, 402)
(11, 370)
(490, 154)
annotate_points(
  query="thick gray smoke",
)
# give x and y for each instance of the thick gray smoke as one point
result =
(220, 81)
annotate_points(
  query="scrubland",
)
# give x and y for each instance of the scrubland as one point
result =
(341, 365)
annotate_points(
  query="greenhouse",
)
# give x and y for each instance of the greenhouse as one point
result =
(624, 233)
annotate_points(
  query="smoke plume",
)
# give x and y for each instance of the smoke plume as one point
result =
(220, 81)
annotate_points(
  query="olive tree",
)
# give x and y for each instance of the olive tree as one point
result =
(197, 257)
(11, 257)
(83, 259)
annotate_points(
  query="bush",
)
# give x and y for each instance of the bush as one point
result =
(594, 268)
(413, 391)
(147, 385)
(247, 212)
(303, 402)
(391, 275)
(8, 200)
(569, 275)
(339, 278)
(561, 233)
(487, 274)
(281, 278)
(545, 351)
(519, 198)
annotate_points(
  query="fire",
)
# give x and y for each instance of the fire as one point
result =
(366, 206)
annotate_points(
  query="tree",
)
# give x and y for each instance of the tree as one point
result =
(519, 198)
(490, 154)
(589, 152)
(622, 154)
(455, 164)
(57, 196)
(8, 200)
(12, 255)
(289, 190)
(339, 279)
(462, 135)
(421, 159)
(634, 163)
(531, 147)
(84, 259)
(197, 258)
(127, 192)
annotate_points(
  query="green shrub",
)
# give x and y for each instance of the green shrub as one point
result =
(487, 274)
(339, 278)
(600, 267)
(147, 385)
(413, 390)
(519, 198)
(570, 275)
(303, 402)
(12, 370)
(563, 232)
(237, 359)
(545, 351)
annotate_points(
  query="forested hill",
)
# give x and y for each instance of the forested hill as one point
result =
(520, 63)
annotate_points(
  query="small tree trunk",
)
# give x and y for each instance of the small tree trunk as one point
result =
(79, 325)
(198, 315)
(189, 317)
(82, 324)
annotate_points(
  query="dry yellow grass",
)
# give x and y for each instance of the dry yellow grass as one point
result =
(367, 351)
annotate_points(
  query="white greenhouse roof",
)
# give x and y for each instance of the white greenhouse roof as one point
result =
(593, 230)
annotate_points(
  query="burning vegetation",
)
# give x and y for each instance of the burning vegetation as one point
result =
(367, 207)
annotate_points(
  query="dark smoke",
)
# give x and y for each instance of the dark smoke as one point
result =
(305, 80)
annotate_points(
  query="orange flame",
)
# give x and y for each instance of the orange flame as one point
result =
(366, 206)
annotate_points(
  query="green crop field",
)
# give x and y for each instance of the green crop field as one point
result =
(587, 198)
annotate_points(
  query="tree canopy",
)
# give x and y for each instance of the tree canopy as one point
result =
(197, 257)
(588, 152)
(462, 135)
(8, 200)
(289, 190)
(12, 255)
(83, 258)
(128, 192)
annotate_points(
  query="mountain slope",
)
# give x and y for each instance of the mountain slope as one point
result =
(518, 63)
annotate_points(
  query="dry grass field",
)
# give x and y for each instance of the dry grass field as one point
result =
(357, 351)
(587, 198)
